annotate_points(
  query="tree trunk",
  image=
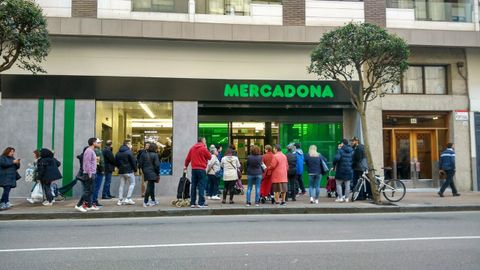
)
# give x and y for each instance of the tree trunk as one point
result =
(371, 174)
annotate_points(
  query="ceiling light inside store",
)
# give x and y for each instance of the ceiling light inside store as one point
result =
(435, 117)
(146, 109)
(151, 123)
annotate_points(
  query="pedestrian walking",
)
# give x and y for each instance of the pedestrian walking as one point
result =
(213, 173)
(315, 171)
(359, 163)
(292, 172)
(109, 168)
(300, 162)
(266, 186)
(99, 174)
(127, 166)
(149, 163)
(279, 169)
(254, 174)
(447, 167)
(47, 172)
(198, 156)
(8, 175)
(31, 176)
(89, 165)
(231, 167)
(343, 170)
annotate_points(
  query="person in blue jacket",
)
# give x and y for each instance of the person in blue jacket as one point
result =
(300, 161)
(343, 170)
(8, 175)
(447, 166)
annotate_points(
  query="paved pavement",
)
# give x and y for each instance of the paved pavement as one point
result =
(443, 240)
(414, 201)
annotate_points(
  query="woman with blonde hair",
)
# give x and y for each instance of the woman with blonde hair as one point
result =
(315, 170)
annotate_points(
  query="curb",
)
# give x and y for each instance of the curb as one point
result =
(235, 212)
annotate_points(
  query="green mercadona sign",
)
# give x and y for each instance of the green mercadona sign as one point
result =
(250, 90)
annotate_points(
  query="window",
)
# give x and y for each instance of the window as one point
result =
(172, 6)
(430, 80)
(437, 10)
(138, 122)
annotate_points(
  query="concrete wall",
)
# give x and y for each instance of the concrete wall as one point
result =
(333, 13)
(56, 8)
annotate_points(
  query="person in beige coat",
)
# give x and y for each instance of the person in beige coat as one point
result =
(230, 165)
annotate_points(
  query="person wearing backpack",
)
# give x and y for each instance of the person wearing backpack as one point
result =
(149, 163)
(213, 173)
(47, 172)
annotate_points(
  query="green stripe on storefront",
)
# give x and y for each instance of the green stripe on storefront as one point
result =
(40, 113)
(54, 112)
(68, 143)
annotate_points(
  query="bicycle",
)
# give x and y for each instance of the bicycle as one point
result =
(393, 190)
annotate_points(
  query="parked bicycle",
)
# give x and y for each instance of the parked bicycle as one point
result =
(393, 190)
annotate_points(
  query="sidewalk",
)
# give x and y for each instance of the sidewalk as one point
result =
(413, 202)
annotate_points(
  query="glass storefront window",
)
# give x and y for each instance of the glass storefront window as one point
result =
(437, 10)
(214, 133)
(139, 122)
(229, 7)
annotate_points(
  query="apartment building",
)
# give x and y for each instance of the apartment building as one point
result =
(234, 71)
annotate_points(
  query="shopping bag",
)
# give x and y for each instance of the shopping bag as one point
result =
(37, 192)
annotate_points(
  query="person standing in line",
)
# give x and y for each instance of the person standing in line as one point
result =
(127, 166)
(447, 166)
(100, 172)
(219, 151)
(89, 166)
(109, 168)
(149, 163)
(198, 156)
(213, 170)
(343, 168)
(292, 172)
(36, 157)
(230, 165)
(8, 175)
(279, 169)
(139, 154)
(359, 161)
(266, 186)
(254, 174)
(315, 170)
(300, 162)
(47, 172)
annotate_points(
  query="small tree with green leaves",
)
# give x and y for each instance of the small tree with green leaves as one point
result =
(365, 53)
(23, 35)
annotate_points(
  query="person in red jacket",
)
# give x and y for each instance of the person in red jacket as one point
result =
(266, 186)
(198, 156)
(279, 168)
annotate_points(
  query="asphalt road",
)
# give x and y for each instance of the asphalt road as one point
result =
(359, 241)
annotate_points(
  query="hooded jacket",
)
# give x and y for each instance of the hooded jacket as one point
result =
(343, 163)
(47, 167)
(8, 171)
(150, 165)
(125, 160)
(292, 164)
(198, 156)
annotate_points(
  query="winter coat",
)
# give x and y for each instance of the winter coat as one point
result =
(314, 164)
(254, 165)
(101, 163)
(8, 172)
(278, 168)
(230, 164)
(109, 159)
(343, 163)
(150, 165)
(213, 165)
(47, 167)
(300, 161)
(447, 160)
(358, 156)
(199, 156)
(292, 164)
(125, 160)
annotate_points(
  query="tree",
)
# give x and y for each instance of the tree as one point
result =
(369, 54)
(23, 35)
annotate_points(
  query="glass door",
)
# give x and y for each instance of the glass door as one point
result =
(423, 153)
(403, 153)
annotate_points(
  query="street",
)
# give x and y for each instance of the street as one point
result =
(356, 241)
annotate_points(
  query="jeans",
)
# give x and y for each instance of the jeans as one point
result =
(87, 191)
(5, 195)
(340, 189)
(199, 180)
(124, 178)
(106, 185)
(292, 186)
(449, 182)
(228, 188)
(254, 180)
(300, 183)
(149, 191)
(212, 187)
(96, 189)
(314, 185)
(47, 190)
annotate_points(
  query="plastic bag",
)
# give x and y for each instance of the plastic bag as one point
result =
(37, 193)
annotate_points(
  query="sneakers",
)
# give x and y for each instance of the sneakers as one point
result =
(98, 204)
(3, 206)
(456, 195)
(316, 201)
(440, 194)
(120, 202)
(216, 198)
(339, 200)
(129, 202)
(30, 200)
(203, 206)
(193, 206)
(249, 204)
(80, 208)
(146, 204)
(153, 203)
(283, 204)
(346, 200)
(311, 199)
(209, 197)
(46, 203)
(93, 208)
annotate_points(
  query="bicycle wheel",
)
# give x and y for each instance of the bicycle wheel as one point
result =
(394, 190)
(356, 190)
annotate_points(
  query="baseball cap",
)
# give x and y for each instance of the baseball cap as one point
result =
(98, 140)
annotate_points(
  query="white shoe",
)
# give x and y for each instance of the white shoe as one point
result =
(120, 202)
(46, 203)
(93, 208)
(208, 197)
(30, 200)
(339, 200)
(153, 203)
(316, 201)
(81, 208)
(347, 200)
(129, 202)
(146, 204)
(311, 199)
(216, 198)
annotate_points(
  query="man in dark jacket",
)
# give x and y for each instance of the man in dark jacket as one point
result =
(300, 163)
(127, 166)
(198, 156)
(292, 172)
(109, 168)
(359, 161)
(47, 172)
(343, 168)
(447, 166)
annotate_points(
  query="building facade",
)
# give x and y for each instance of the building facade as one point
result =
(235, 72)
